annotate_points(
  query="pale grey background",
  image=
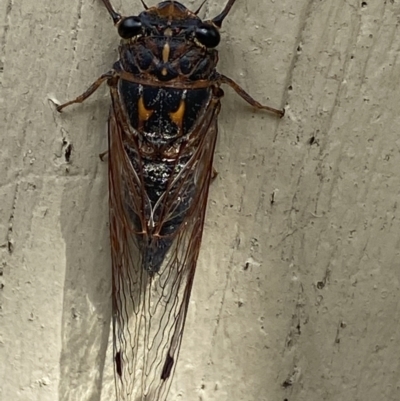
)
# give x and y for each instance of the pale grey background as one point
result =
(317, 307)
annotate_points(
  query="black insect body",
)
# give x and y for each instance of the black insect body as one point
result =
(162, 130)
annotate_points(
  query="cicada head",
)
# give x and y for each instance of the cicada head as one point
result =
(172, 19)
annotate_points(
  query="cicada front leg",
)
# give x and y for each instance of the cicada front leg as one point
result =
(88, 92)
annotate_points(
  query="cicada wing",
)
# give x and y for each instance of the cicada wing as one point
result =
(150, 306)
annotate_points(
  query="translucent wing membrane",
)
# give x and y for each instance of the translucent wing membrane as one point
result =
(155, 244)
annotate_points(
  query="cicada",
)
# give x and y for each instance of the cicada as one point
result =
(162, 130)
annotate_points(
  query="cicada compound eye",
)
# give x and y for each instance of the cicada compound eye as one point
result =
(208, 35)
(129, 27)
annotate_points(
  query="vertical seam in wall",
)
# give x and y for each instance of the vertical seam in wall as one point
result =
(74, 39)
(4, 38)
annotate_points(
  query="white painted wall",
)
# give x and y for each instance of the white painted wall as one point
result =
(318, 306)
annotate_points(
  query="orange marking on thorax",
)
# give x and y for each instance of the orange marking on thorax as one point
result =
(165, 52)
(177, 116)
(144, 114)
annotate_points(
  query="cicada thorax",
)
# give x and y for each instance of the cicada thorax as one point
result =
(167, 58)
(164, 119)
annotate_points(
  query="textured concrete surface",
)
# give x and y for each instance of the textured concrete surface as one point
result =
(296, 297)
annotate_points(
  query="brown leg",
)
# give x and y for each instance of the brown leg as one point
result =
(88, 91)
(242, 93)
(214, 174)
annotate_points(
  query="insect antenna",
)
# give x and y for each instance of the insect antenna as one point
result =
(219, 18)
(114, 15)
(144, 5)
(201, 5)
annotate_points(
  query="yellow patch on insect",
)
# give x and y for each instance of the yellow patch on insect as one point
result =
(165, 52)
(144, 114)
(177, 116)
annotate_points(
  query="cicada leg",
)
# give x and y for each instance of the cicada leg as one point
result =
(108, 75)
(243, 94)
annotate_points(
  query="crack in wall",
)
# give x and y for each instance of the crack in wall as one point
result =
(4, 37)
(10, 240)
